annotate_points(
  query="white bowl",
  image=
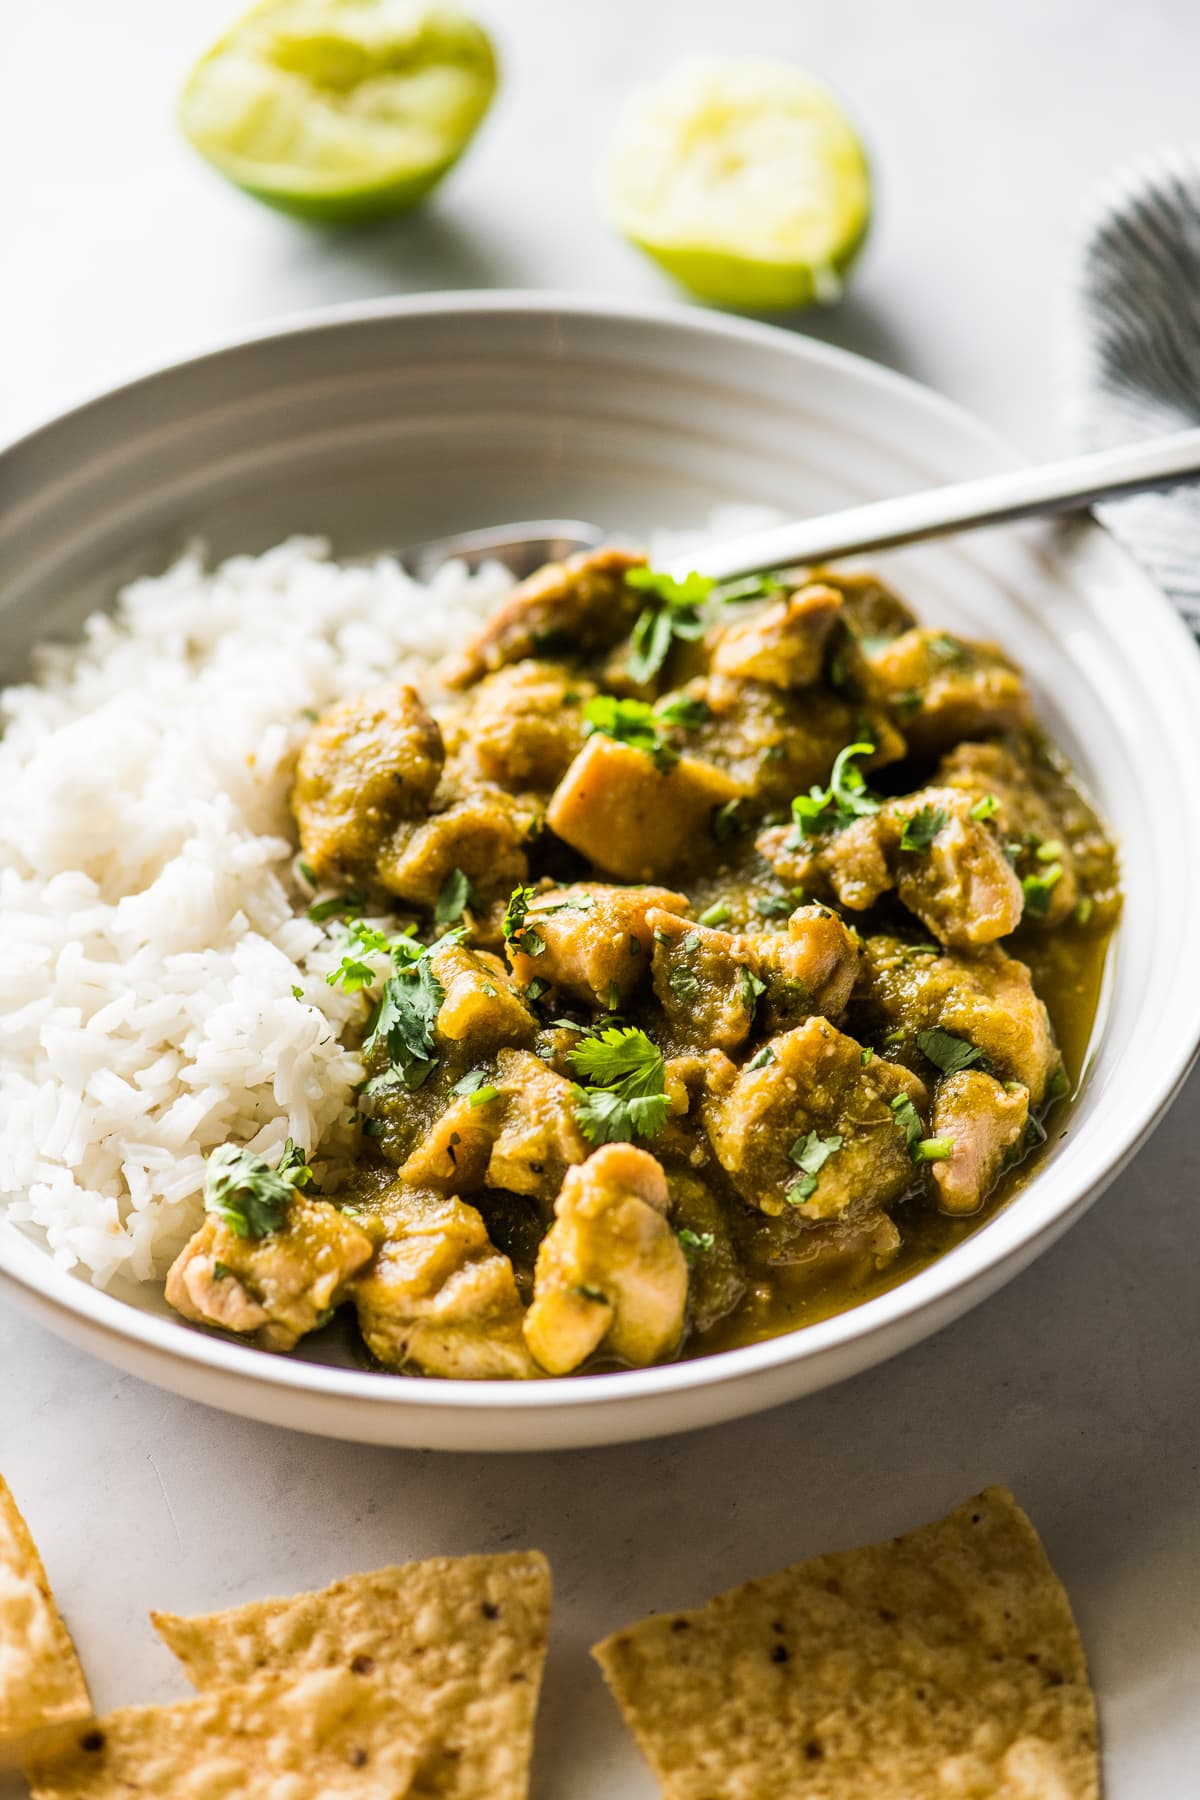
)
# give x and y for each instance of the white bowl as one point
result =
(385, 424)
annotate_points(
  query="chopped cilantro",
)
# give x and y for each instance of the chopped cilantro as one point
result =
(897, 1036)
(1049, 850)
(456, 896)
(352, 973)
(517, 932)
(933, 1149)
(752, 988)
(407, 1010)
(684, 986)
(762, 1058)
(306, 869)
(774, 906)
(909, 1120)
(535, 990)
(1060, 1085)
(810, 1154)
(846, 798)
(921, 827)
(671, 611)
(727, 821)
(220, 1271)
(350, 902)
(695, 1243)
(1038, 888)
(625, 1096)
(297, 993)
(1084, 908)
(749, 587)
(985, 808)
(866, 1055)
(247, 1194)
(908, 703)
(716, 914)
(631, 722)
(471, 1081)
(482, 1095)
(683, 710)
(946, 648)
(946, 1052)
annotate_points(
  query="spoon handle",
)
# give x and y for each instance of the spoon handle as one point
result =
(966, 506)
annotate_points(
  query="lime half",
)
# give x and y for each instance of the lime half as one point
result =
(746, 181)
(340, 109)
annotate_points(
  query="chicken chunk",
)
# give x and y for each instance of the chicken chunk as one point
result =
(595, 940)
(580, 607)
(368, 765)
(633, 819)
(947, 867)
(452, 1156)
(274, 1288)
(869, 608)
(716, 1282)
(539, 1137)
(986, 1122)
(985, 998)
(482, 1011)
(809, 969)
(439, 1296)
(523, 725)
(610, 1273)
(1038, 839)
(706, 982)
(484, 832)
(784, 643)
(815, 1102)
(941, 688)
(777, 743)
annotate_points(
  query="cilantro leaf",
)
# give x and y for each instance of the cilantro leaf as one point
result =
(832, 808)
(682, 709)
(985, 808)
(350, 902)
(625, 1096)
(751, 988)
(516, 932)
(810, 1154)
(762, 1059)
(1038, 888)
(749, 587)
(631, 722)
(406, 1014)
(695, 1243)
(727, 820)
(921, 827)
(247, 1194)
(456, 896)
(948, 1053)
(684, 986)
(909, 1120)
(672, 611)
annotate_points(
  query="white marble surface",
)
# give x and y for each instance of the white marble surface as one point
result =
(1079, 1385)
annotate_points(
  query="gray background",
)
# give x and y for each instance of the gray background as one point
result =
(989, 126)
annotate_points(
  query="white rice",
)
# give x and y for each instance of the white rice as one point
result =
(152, 927)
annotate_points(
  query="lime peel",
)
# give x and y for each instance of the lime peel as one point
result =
(745, 181)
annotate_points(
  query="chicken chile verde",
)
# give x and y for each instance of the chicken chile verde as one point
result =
(721, 951)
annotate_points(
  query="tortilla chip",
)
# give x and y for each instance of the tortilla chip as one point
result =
(462, 1638)
(945, 1663)
(324, 1736)
(41, 1682)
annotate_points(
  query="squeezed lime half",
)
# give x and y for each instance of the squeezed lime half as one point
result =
(340, 109)
(745, 180)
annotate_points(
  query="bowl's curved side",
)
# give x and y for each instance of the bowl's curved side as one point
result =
(386, 423)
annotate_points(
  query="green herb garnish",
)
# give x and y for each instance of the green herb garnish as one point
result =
(517, 932)
(625, 1096)
(1038, 888)
(823, 810)
(695, 1243)
(631, 722)
(727, 820)
(456, 896)
(933, 1149)
(716, 914)
(672, 611)
(408, 1010)
(948, 1053)
(749, 587)
(774, 906)
(762, 1058)
(986, 808)
(350, 902)
(684, 986)
(909, 1120)
(810, 1154)
(921, 827)
(247, 1194)
(683, 710)
(752, 988)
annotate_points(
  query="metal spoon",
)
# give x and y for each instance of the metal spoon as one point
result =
(1076, 482)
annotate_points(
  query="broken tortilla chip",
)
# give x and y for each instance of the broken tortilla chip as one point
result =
(329, 1735)
(41, 1682)
(945, 1663)
(462, 1639)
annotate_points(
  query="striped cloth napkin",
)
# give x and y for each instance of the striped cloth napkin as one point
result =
(1134, 366)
